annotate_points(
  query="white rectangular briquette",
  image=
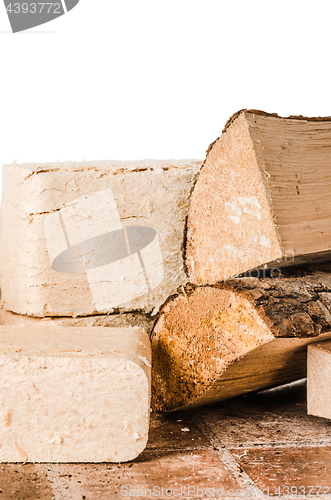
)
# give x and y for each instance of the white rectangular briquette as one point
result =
(93, 237)
(73, 394)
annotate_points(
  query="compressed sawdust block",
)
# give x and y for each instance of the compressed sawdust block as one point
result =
(319, 380)
(138, 319)
(93, 237)
(215, 342)
(262, 197)
(73, 394)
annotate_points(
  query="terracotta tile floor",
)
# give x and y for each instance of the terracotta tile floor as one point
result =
(255, 446)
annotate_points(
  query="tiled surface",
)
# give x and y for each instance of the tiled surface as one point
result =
(24, 482)
(297, 470)
(277, 416)
(256, 442)
(174, 431)
(173, 471)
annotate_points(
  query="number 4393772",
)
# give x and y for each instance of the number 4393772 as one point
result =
(307, 491)
(34, 8)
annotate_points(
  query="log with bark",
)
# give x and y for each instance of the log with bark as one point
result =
(215, 342)
(262, 197)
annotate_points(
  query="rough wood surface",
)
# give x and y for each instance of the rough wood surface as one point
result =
(93, 237)
(319, 380)
(138, 319)
(214, 342)
(262, 197)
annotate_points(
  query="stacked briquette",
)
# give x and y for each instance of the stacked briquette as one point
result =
(85, 244)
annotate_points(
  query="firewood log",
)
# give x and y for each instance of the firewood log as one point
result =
(218, 341)
(262, 197)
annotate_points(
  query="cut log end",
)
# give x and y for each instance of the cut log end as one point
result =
(194, 341)
(215, 342)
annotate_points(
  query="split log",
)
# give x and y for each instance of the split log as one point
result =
(262, 197)
(215, 342)
(73, 394)
(319, 380)
(93, 237)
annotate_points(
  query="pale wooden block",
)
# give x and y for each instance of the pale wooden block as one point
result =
(262, 197)
(319, 380)
(73, 394)
(93, 237)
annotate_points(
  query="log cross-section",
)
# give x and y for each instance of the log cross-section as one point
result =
(215, 342)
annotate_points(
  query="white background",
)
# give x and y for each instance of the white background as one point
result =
(134, 79)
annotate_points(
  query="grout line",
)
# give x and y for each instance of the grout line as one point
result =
(56, 483)
(231, 463)
(239, 473)
(227, 458)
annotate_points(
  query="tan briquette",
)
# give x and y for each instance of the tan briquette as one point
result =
(93, 237)
(73, 394)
